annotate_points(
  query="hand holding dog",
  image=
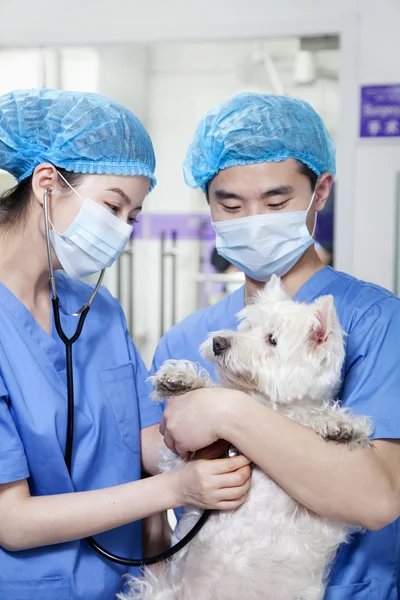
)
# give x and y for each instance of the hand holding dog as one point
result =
(199, 418)
(220, 484)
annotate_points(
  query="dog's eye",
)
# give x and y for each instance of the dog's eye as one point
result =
(271, 340)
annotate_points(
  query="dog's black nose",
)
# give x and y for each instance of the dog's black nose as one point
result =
(220, 344)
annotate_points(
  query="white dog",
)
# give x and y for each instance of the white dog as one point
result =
(287, 356)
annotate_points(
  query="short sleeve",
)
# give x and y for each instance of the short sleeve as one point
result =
(13, 462)
(161, 354)
(372, 372)
(150, 412)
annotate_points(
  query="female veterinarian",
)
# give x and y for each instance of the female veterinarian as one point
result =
(266, 164)
(84, 166)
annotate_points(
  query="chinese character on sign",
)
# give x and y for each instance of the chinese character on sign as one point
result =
(380, 111)
(374, 127)
(392, 127)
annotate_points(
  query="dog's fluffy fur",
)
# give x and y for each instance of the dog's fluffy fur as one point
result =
(288, 356)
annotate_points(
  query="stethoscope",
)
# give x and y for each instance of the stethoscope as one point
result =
(68, 342)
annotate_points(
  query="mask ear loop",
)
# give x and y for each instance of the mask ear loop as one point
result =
(310, 205)
(52, 280)
(70, 186)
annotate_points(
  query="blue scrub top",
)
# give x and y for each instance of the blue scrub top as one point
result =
(111, 407)
(367, 568)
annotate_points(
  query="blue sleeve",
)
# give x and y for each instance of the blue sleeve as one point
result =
(150, 412)
(161, 354)
(13, 462)
(372, 372)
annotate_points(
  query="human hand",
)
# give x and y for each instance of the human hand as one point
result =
(220, 484)
(197, 419)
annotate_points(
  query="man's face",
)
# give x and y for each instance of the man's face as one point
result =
(263, 188)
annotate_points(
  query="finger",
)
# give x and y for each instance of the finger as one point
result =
(231, 504)
(239, 477)
(169, 442)
(172, 400)
(227, 465)
(181, 451)
(233, 493)
(162, 425)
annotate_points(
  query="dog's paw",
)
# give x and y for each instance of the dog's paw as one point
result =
(352, 430)
(176, 377)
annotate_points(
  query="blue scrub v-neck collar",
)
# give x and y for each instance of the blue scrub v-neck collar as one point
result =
(314, 286)
(308, 292)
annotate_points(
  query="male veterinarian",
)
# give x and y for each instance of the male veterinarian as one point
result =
(266, 165)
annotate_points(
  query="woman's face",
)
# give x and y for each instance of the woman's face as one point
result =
(123, 196)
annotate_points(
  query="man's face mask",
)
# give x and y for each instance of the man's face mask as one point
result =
(263, 245)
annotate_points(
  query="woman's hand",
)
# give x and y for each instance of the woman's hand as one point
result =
(220, 484)
(197, 419)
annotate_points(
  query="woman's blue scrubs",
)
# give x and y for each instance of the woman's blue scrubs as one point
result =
(112, 405)
(368, 567)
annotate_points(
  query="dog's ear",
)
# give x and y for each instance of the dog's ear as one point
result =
(274, 291)
(324, 318)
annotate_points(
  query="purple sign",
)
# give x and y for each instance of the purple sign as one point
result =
(187, 226)
(380, 111)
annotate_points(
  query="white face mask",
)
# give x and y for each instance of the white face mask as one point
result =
(93, 241)
(264, 245)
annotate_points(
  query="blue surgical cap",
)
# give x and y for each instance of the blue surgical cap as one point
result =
(255, 128)
(80, 132)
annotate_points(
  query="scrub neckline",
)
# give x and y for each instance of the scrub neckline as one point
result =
(49, 343)
(309, 291)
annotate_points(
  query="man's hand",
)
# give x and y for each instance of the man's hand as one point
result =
(195, 420)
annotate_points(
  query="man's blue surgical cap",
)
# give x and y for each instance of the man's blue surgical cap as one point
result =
(255, 128)
(80, 132)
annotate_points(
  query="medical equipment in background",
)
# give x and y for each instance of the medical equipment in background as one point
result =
(207, 281)
(68, 342)
(168, 255)
(212, 286)
(125, 279)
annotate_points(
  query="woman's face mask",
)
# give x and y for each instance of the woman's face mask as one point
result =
(96, 237)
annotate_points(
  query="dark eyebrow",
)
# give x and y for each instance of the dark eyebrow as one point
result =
(282, 190)
(226, 195)
(124, 197)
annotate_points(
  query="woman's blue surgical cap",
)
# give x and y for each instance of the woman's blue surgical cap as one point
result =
(255, 128)
(80, 132)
